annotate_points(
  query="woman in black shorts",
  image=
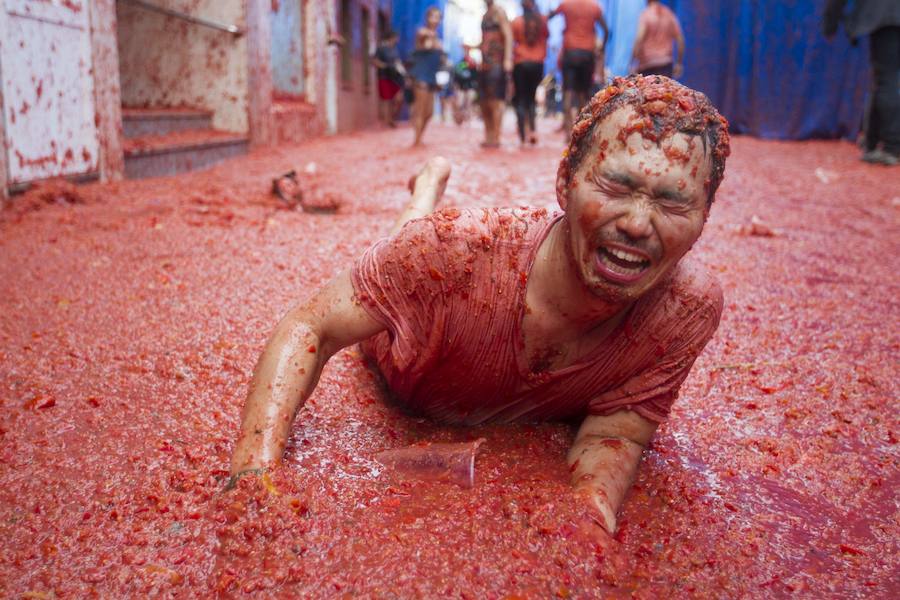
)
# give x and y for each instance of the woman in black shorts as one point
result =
(496, 63)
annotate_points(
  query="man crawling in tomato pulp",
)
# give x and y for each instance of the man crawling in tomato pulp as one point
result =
(593, 314)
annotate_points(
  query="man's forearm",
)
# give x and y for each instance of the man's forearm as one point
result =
(604, 468)
(285, 376)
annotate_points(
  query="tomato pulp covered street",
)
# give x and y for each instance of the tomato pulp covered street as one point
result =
(131, 319)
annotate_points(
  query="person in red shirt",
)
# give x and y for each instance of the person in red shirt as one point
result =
(530, 33)
(658, 31)
(578, 55)
(509, 315)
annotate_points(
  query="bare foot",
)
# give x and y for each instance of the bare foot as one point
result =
(427, 188)
(431, 180)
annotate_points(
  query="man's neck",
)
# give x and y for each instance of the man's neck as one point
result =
(556, 285)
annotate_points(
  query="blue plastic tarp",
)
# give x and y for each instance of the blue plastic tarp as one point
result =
(765, 64)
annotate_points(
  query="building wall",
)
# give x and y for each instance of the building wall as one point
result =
(341, 104)
(357, 86)
(168, 62)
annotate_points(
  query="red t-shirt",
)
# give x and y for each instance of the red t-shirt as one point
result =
(580, 18)
(450, 289)
(661, 29)
(522, 50)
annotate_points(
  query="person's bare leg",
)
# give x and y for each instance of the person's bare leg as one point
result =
(567, 112)
(418, 110)
(486, 119)
(427, 190)
(396, 105)
(425, 100)
(499, 109)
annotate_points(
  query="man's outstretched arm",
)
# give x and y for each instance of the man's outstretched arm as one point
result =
(604, 459)
(605, 28)
(289, 368)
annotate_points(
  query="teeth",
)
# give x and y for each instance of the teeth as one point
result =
(624, 255)
(623, 270)
(634, 263)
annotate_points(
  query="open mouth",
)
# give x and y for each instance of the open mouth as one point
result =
(621, 265)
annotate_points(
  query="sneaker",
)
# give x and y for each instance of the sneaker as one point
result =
(880, 157)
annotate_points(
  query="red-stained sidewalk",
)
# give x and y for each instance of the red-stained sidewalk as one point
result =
(129, 326)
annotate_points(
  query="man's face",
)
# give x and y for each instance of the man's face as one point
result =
(634, 208)
(433, 19)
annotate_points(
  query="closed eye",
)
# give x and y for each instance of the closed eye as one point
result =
(608, 186)
(672, 197)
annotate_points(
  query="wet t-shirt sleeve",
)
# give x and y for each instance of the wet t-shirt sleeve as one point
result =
(679, 337)
(399, 282)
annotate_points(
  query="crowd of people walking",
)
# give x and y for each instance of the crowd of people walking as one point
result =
(512, 66)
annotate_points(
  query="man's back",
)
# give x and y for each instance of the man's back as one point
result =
(660, 30)
(581, 15)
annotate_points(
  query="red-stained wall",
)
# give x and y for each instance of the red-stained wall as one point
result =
(357, 99)
(342, 106)
(145, 59)
(169, 62)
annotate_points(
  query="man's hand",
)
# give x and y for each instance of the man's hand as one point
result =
(677, 70)
(597, 502)
(604, 460)
(233, 480)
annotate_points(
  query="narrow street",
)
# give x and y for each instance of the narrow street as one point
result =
(130, 321)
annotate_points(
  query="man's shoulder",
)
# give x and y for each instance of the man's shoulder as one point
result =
(691, 290)
(488, 224)
(668, 14)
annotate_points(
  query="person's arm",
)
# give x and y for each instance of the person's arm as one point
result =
(506, 30)
(423, 39)
(602, 21)
(289, 368)
(678, 67)
(834, 9)
(600, 64)
(604, 459)
(638, 41)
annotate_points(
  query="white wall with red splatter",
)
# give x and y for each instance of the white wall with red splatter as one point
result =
(49, 120)
(169, 62)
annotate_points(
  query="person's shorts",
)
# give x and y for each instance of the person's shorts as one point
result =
(578, 70)
(387, 89)
(492, 83)
(666, 69)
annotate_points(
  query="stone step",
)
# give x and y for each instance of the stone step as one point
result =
(295, 121)
(180, 151)
(139, 122)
